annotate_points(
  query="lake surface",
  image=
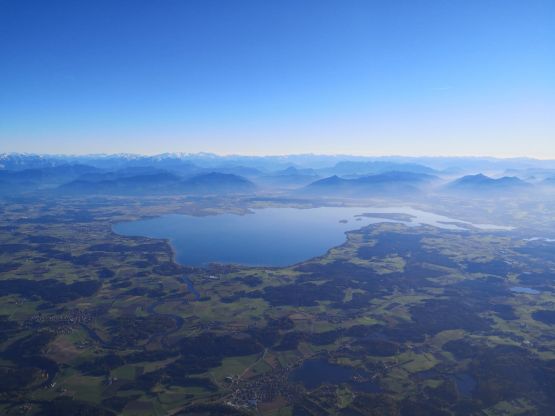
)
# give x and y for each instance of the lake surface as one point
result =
(271, 236)
(314, 373)
(465, 384)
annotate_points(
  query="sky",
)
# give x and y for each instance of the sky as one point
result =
(365, 77)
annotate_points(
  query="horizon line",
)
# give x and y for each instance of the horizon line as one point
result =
(231, 155)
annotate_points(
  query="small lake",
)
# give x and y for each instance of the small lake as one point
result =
(465, 384)
(272, 236)
(313, 373)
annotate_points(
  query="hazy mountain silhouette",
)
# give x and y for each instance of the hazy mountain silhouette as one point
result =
(483, 183)
(345, 168)
(160, 183)
(218, 182)
(289, 177)
(388, 182)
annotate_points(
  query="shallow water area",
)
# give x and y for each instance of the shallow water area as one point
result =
(527, 290)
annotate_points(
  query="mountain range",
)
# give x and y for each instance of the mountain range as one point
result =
(160, 183)
(483, 183)
(344, 164)
(204, 173)
(384, 183)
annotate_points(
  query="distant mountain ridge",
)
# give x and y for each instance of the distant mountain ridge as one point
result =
(387, 182)
(218, 182)
(161, 183)
(375, 167)
(48, 173)
(482, 182)
(290, 177)
(311, 175)
(19, 181)
(18, 161)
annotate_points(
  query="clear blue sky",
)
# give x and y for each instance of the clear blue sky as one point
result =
(373, 77)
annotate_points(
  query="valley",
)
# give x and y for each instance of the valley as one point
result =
(400, 317)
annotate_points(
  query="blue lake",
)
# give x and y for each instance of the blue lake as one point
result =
(267, 237)
(314, 373)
